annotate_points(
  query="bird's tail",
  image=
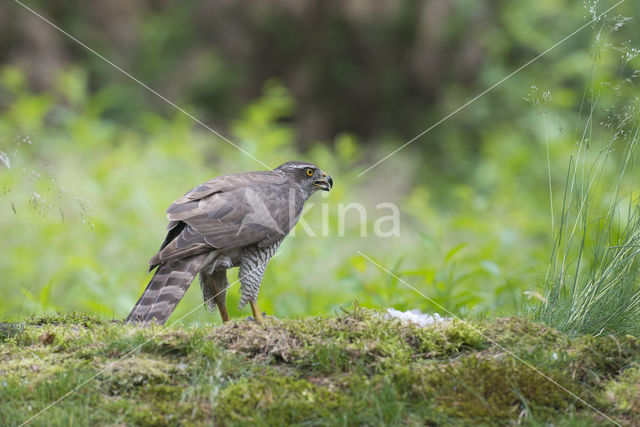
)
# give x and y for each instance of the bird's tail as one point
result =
(165, 290)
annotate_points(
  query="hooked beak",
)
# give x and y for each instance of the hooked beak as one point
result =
(325, 184)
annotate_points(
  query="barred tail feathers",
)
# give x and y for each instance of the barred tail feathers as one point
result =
(165, 290)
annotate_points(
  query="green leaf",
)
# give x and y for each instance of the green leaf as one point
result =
(454, 251)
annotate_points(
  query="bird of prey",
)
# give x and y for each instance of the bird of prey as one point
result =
(230, 221)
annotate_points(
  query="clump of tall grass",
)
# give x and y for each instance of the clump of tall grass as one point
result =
(593, 277)
(593, 280)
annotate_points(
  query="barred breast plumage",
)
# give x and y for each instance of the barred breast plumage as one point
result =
(253, 262)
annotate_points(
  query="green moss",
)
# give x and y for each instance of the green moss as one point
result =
(9, 330)
(276, 400)
(361, 339)
(524, 335)
(355, 368)
(137, 371)
(623, 394)
(480, 388)
(594, 360)
(73, 318)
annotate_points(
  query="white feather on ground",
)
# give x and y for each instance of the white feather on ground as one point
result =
(415, 316)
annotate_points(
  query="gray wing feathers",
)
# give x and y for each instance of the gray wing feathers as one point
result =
(232, 212)
(166, 289)
(174, 251)
(227, 183)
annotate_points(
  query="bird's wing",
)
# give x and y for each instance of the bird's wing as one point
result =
(231, 212)
(228, 183)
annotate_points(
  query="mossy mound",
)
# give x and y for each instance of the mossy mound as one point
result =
(355, 368)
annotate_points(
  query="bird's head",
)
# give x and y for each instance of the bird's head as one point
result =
(308, 176)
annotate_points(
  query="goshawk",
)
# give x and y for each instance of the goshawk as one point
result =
(230, 221)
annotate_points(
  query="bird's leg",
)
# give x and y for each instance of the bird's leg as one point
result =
(257, 315)
(221, 296)
(222, 307)
(214, 290)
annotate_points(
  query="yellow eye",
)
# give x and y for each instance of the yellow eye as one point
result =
(309, 172)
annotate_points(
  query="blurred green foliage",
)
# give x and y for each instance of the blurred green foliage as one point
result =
(92, 170)
(83, 201)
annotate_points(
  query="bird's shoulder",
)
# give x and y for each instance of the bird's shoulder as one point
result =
(233, 182)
